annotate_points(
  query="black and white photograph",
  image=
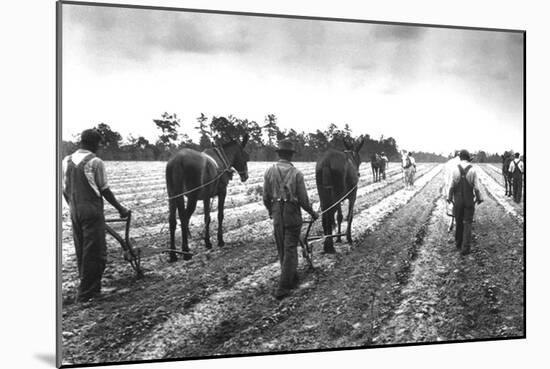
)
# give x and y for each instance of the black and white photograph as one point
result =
(239, 183)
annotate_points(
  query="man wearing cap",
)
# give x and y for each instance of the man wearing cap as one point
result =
(284, 195)
(516, 171)
(464, 190)
(84, 187)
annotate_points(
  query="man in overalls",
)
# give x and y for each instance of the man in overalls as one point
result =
(465, 192)
(84, 187)
(284, 195)
(516, 168)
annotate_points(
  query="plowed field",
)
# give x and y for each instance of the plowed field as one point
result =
(400, 281)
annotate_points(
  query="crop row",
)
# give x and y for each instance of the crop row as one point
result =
(206, 316)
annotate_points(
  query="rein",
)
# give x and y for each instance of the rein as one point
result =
(339, 201)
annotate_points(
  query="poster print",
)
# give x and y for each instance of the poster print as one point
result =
(389, 123)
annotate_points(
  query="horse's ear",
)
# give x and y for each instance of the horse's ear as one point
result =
(245, 140)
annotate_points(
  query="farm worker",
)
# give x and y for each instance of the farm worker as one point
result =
(409, 166)
(385, 160)
(465, 192)
(516, 170)
(284, 195)
(84, 187)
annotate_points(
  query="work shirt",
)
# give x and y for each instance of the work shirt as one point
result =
(471, 177)
(296, 186)
(94, 170)
(516, 162)
(413, 162)
(449, 168)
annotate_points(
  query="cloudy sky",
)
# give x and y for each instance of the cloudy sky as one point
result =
(432, 89)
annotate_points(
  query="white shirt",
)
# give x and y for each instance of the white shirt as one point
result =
(449, 169)
(94, 170)
(413, 162)
(513, 164)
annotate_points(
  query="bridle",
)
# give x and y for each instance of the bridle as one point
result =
(225, 161)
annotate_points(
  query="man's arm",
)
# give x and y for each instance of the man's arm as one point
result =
(110, 197)
(477, 187)
(451, 187)
(303, 198)
(101, 182)
(267, 193)
(64, 180)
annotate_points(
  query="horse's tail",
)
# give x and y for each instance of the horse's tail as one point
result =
(327, 191)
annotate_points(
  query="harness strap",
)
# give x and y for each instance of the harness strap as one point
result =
(464, 171)
(223, 158)
(283, 183)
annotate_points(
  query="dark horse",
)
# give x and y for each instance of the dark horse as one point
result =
(506, 160)
(378, 166)
(337, 175)
(201, 176)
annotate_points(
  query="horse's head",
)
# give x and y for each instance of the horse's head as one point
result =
(352, 150)
(238, 158)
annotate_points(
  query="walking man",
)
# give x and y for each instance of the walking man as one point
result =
(516, 170)
(465, 192)
(84, 187)
(284, 195)
(409, 166)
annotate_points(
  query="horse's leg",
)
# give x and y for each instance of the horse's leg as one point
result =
(221, 201)
(328, 223)
(172, 223)
(207, 242)
(185, 215)
(339, 218)
(351, 203)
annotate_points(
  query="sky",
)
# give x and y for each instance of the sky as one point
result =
(432, 89)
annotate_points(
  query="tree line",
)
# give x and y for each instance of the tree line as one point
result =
(261, 146)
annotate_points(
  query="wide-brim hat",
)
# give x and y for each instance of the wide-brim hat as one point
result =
(285, 145)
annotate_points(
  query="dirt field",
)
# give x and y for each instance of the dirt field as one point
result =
(401, 280)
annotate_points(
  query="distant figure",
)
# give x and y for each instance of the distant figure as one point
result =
(385, 163)
(507, 158)
(377, 165)
(465, 192)
(84, 187)
(284, 194)
(409, 167)
(516, 170)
